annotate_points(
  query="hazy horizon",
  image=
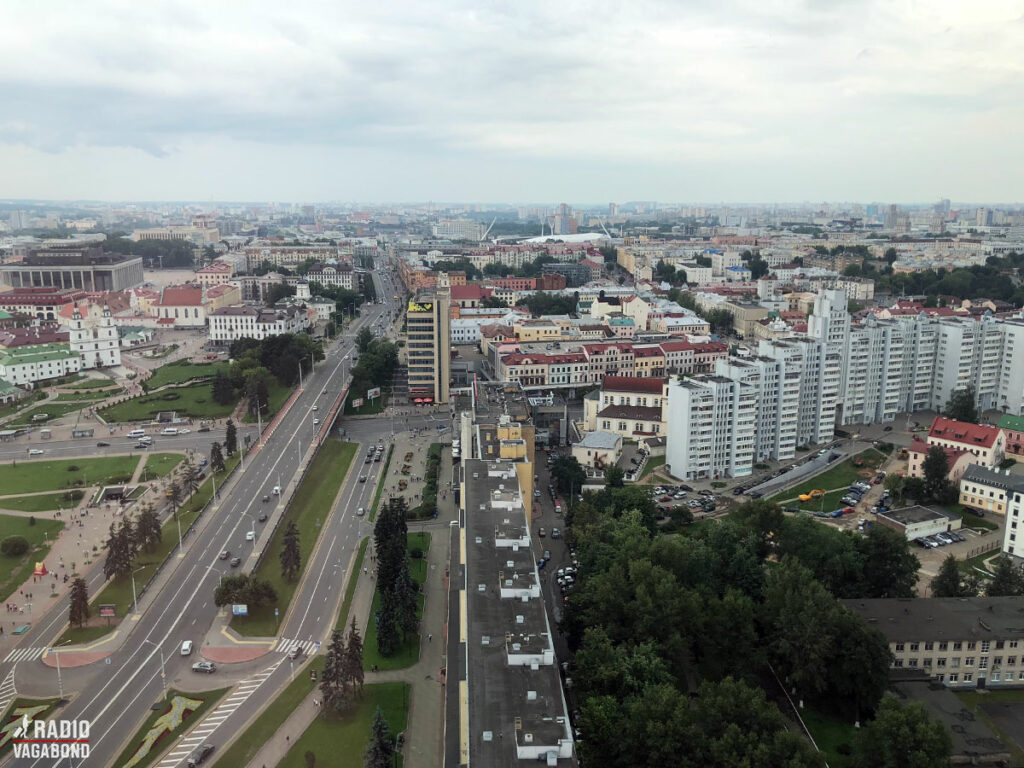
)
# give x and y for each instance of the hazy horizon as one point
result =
(800, 100)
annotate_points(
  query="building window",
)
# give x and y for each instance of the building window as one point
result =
(926, 662)
(983, 662)
(969, 661)
(1011, 661)
(914, 646)
(899, 647)
(929, 645)
(958, 646)
(940, 662)
(911, 662)
(955, 663)
(898, 663)
(968, 676)
(943, 646)
(971, 645)
(954, 677)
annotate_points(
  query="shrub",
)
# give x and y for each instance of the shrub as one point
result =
(31, 520)
(73, 468)
(14, 546)
(72, 496)
(718, 484)
(170, 396)
(416, 553)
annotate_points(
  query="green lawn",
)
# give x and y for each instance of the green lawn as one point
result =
(208, 698)
(972, 564)
(829, 732)
(312, 503)
(15, 570)
(118, 591)
(10, 408)
(52, 409)
(35, 476)
(380, 483)
(377, 405)
(244, 748)
(278, 394)
(409, 652)
(47, 704)
(181, 371)
(82, 397)
(160, 464)
(655, 462)
(348, 735)
(971, 520)
(90, 384)
(838, 477)
(43, 502)
(195, 401)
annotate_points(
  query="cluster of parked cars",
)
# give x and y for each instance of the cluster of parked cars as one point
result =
(939, 539)
(856, 492)
(374, 454)
(566, 579)
(674, 495)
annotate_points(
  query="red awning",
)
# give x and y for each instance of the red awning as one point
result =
(418, 400)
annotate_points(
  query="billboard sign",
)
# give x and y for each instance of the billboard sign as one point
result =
(358, 402)
(108, 610)
(239, 610)
(416, 306)
(372, 393)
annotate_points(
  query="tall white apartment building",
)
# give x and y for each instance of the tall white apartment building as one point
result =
(1011, 374)
(711, 427)
(968, 353)
(818, 371)
(777, 397)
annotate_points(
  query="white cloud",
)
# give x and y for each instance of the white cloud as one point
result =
(778, 99)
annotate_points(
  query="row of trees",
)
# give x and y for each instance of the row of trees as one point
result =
(995, 280)
(257, 362)
(245, 589)
(378, 359)
(341, 682)
(652, 616)
(1007, 580)
(126, 539)
(397, 618)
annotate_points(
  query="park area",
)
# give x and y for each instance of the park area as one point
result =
(36, 476)
(195, 401)
(181, 372)
(309, 507)
(834, 481)
(16, 568)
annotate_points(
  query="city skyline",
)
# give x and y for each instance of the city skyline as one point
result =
(807, 101)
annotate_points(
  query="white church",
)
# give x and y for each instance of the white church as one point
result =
(94, 337)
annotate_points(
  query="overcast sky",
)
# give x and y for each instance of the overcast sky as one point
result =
(513, 100)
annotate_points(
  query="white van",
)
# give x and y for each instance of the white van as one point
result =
(186, 648)
(136, 433)
(169, 431)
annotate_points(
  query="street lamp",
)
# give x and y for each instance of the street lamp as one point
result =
(135, 600)
(163, 669)
(60, 681)
(252, 523)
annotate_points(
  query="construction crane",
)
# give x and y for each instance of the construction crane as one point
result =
(488, 229)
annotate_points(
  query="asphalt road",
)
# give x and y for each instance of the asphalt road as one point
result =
(115, 696)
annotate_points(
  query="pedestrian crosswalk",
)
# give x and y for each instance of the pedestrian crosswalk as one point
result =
(309, 647)
(25, 654)
(202, 732)
(7, 691)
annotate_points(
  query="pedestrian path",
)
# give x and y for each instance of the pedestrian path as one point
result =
(211, 722)
(25, 654)
(309, 647)
(7, 691)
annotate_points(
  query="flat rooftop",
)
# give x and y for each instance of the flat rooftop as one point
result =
(514, 686)
(917, 514)
(943, 618)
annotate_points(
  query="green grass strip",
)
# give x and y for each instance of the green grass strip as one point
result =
(36, 476)
(380, 484)
(310, 507)
(408, 653)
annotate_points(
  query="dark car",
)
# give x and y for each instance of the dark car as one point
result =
(203, 429)
(756, 494)
(262, 518)
(102, 444)
(685, 488)
(199, 755)
(738, 491)
(887, 429)
(235, 562)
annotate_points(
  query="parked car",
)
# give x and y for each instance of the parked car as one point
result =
(541, 532)
(102, 444)
(204, 666)
(36, 451)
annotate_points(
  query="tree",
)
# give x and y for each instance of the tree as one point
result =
(244, 588)
(310, 758)
(890, 568)
(277, 292)
(14, 546)
(569, 475)
(332, 682)
(380, 750)
(190, 478)
(961, 405)
(352, 662)
(257, 389)
(901, 736)
(231, 438)
(291, 557)
(174, 497)
(223, 391)
(148, 532)
(216, 458)
(387, 628)
(758, 268)
(950, 582)
(330, 329)
(614, 476)
(120, 550)
(364, 339)
(78, 608)
(720, 321)
(895, 485)
(1007, 579)
(493, 302)
(936, 473)
(406, 606)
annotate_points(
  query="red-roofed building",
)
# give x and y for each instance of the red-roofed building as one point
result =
(39, 303)
(957, 459)
(469, 296)
(596, 268)
(187, 306)
(987, 445)
(36, 334)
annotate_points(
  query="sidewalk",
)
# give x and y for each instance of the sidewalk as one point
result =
(424, 731)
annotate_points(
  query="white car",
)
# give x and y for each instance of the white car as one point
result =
(250, 535)
(186, 648)
(315, 408)
(315, 422)
(35, 451)
(361, 511)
